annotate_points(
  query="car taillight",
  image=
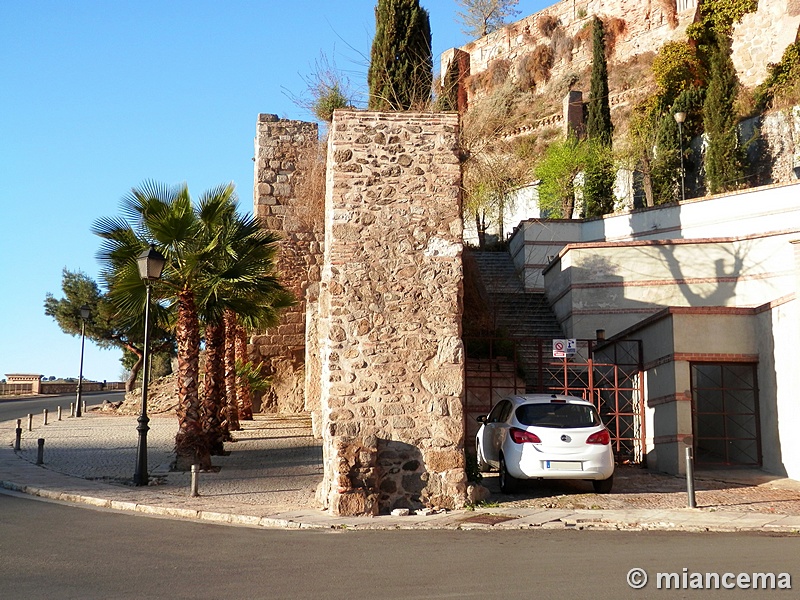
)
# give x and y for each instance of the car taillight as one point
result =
(599, 437)
(520, 436)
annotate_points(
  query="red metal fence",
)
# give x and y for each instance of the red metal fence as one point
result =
(609, 375)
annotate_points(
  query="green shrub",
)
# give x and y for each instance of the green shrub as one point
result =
(676, 68)
(783, 79)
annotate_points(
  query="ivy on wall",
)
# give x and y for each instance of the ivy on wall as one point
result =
(782, 85)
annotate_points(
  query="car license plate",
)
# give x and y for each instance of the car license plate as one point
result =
(564, 465)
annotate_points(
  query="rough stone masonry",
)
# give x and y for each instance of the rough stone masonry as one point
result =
(284, 149)
(388, 328)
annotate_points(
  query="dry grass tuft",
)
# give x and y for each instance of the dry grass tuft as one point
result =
(670, 9)
(533, 69)
(310, 186)
(614, 28)
(493, 77)
(547, 24)
(562, 45)
(584, 35)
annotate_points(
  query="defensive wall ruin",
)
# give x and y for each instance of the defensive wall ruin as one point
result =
(385, 362)
(281, 204)
(634, 28)
(373, 349)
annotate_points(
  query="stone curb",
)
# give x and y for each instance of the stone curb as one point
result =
(162, 511)
(538, 519)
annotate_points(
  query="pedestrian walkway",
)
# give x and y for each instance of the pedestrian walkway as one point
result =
(269, 480)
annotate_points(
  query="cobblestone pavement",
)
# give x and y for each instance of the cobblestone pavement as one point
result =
(745, 490)
(270, 477)
(274, 460)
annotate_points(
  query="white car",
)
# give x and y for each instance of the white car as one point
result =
(545, 436)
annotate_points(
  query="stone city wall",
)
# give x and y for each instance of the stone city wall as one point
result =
(779, 145)
(762, 37)
(389, 323)
(284, 154)
(640, 27)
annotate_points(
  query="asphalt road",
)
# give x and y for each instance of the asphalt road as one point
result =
(20, 408)
(56, 551)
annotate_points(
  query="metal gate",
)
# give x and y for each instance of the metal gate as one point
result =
(725, 414)
(608, 374)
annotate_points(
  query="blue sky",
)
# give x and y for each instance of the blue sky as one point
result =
(99, 96)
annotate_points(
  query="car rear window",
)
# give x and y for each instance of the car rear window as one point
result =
(561, 416)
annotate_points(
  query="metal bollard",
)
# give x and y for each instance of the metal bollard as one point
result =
(71, 409)
(83, 407)
(59, 413)
(40, 453)
(44, 416)
(195, 471)
(19, 435)
(30, 422)
(690, 478)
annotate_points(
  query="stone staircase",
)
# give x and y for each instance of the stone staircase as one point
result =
(521, 314)
(524, 317)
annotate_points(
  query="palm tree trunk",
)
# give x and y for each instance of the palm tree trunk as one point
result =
(191, 446)
(230, 370)
(214, 388)
(137, 366)
(244, 395)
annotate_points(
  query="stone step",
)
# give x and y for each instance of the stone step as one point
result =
(522, 315)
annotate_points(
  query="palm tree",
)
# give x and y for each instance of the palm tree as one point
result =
(241, 279)
(244, 392)
(205, 268)
(165, 217)
(231, 398)
(216, 260)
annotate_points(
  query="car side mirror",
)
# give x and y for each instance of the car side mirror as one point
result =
(481, 419)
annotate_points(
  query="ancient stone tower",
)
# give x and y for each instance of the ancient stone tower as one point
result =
(281, 147)
(384, 362)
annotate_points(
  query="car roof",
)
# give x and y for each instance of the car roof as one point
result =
(545, 399)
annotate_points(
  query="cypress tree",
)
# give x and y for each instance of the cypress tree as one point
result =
(598, 124)
(598, 188)
(400, 73)
(724, 160)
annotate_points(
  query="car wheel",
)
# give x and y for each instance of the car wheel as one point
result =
(603, 486)
(508, 483)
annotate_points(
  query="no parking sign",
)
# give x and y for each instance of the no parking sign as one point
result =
(563, 348)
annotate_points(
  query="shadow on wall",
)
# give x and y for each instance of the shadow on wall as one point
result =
(663, 221)
(403, 476)
(768, 390)
(727, 272)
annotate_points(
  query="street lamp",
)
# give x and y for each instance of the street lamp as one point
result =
(85, 313)
(680, 117)
(150, 263)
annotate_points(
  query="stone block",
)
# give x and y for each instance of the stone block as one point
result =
(440, 461)
(354, 503)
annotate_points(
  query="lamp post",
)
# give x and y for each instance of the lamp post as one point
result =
(680, 117)
(150, 263)
(85, 313)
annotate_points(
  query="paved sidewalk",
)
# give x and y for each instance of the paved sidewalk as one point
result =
(270, 478)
